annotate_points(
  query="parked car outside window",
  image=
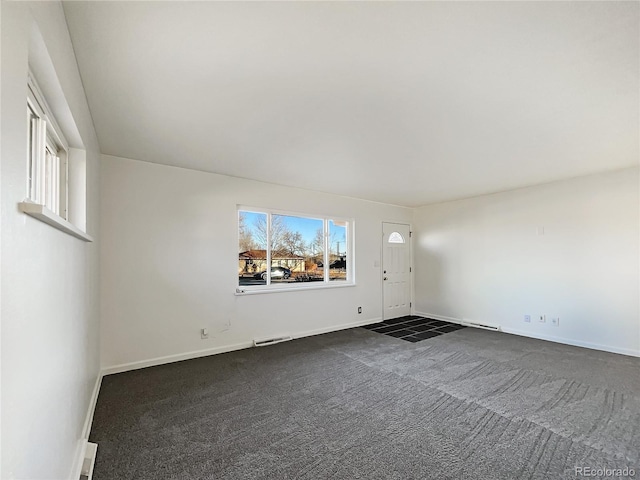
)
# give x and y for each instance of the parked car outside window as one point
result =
(276, 272)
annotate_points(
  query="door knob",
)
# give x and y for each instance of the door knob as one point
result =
(385, 278)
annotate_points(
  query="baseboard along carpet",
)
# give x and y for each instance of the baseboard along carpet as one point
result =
(471, 404)
(413, 328)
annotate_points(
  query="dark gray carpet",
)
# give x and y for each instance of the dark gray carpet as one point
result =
(470, 404)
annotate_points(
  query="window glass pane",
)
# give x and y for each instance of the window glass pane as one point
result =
(296, 245)
(252, 256)
(396, 237)
(52, 176)
(338, 250)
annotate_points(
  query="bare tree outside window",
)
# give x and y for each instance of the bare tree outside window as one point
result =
(247, 241)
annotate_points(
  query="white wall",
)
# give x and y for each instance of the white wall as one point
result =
(50, 356)
(170, 257)
(483, 259)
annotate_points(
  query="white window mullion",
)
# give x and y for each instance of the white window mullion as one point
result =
(268, 277)
(350, 261)
(327, 253)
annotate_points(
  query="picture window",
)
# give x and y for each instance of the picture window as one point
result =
(280, 250)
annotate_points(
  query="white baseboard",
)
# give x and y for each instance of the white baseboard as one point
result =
(335, 328)
(549, 338)
(92, 407)
(86, 429)
(574, 343)
(439, 317)
(125, 367)
(152, 362)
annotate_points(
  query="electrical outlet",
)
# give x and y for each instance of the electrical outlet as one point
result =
(542, 318)
(555, 321)
(359, 309)
(527, 318)
(204, 333)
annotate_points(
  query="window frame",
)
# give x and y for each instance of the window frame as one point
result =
(326, 282)
(47, 179)
(65, 209)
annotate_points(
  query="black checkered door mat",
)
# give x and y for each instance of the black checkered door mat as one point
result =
(413, 329)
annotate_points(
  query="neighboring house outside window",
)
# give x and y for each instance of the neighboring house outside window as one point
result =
(253, 261)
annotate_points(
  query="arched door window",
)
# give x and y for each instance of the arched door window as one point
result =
(395, 237)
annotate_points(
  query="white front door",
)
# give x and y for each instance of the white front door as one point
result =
(396, 270)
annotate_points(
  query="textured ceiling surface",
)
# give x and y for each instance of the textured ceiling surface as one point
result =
(406, 103)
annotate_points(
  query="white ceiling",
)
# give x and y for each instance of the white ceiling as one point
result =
(400, 102)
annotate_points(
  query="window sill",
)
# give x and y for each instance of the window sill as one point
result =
(45, 215)
(259, 291)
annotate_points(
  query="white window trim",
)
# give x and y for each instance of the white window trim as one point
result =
(48, 137)
(260, 289)
(45, 215)
(326, 283)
